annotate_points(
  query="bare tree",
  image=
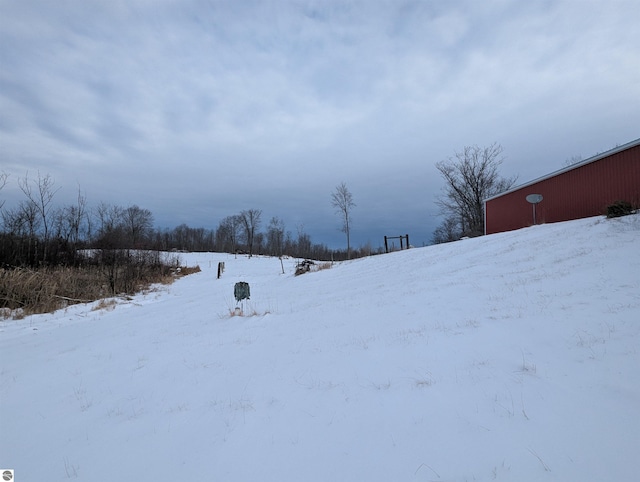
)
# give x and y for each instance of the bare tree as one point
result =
(250, 222)
(449, 230)
(14, 222)
(258, 242)
(342, 200)
(109, 230)
(31, 218)
(470, 177)
(227, 233)
(40, 200)
(275, 237)
(303, 243)
(28, 221)
(71, 219)
(138, 223)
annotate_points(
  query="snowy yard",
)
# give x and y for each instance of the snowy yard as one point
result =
(512, 357)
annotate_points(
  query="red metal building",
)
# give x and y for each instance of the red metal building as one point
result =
(582, 190)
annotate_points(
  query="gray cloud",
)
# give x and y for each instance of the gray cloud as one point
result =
(198, 109)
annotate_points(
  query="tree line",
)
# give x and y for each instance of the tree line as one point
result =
(36, 231)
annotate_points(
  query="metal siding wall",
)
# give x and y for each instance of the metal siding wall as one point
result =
(579, 193)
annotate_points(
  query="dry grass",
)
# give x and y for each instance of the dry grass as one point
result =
(248, 313)
(105, 304)
(46, 290)
(26, 291)
(187, 270)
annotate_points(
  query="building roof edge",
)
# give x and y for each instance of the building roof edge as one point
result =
(595, 158)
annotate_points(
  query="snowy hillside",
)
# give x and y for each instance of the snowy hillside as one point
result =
(508, 357)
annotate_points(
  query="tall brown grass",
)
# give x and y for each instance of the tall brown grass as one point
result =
(31, 291)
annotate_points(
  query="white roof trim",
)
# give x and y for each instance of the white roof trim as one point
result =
(595, 158)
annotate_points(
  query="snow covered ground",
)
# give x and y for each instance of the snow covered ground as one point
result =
(508, 357)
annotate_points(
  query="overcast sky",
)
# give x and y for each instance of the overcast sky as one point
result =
(197, 110)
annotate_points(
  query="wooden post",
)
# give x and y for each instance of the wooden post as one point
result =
(386, 246)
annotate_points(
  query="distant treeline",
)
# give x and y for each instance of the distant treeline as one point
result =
(37, 232)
